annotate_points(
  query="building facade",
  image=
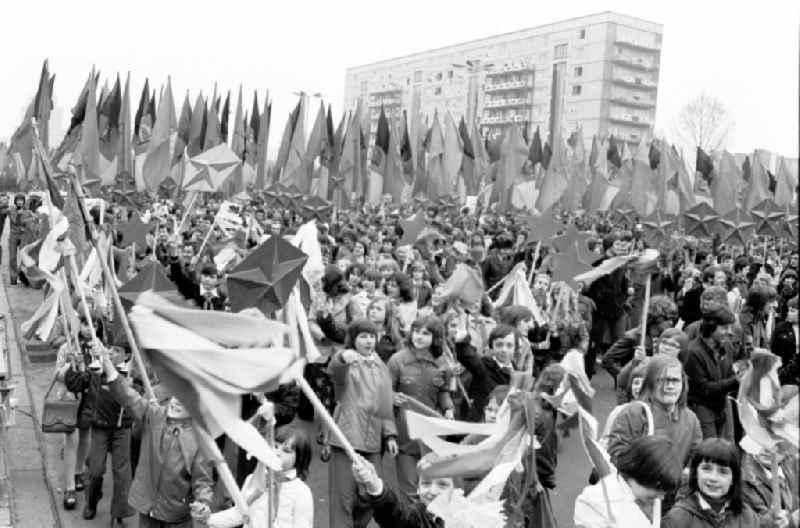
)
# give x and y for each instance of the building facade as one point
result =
(598, 72)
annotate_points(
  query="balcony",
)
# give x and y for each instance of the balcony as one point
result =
(638, 45)
(503, 120)
(510, 69)
(507, 86)
(507, 103)
(634, 82)
(631, 120)
(386, 90)
(386, 103)
(634, 63)
(635, 103)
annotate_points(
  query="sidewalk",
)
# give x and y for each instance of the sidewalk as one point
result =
(26, 499)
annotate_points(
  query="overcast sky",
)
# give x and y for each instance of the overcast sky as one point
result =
(745, 54)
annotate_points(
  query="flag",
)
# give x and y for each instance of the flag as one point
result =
(514, 153)
(125, 154)
(481, 158)
(577, 181)
(786, 185)
(613, 154)
(464, 283)
(393, 181)
(263, 130)
(704, 165)
(208, 360)
(468, 165)
(452, 156)
(224, 116)
(535, 154)
(213, 135)
(197, 127)
(317, 143)
(758, 190)
(517, 292)
(236, 182)
(555, 179)
(406, 154)
(435, 146)
(725, 185)
(157, 163)
(286, 142)
(644, 187)
(293, 171)
(43, 104)
(767, 412)
(87, 155)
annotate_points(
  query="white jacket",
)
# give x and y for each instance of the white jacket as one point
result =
(295, 506)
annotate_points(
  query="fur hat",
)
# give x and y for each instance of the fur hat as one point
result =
(712, 297)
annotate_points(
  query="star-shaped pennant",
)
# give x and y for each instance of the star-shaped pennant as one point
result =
(624, 215)
(414, 228)
(701, 220)
(658, 227)
(568, 238)
(542, 227)
(737, 228)
(266, 277)
(789, 224)
(316, 207)
(150, 278)
(568, 265)
(207, 171)
(767, 216)
(134, 232)
(421, 200)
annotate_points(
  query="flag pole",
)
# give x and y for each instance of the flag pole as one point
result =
(319, 408)
(212, 452)
(123, 317)
(533, 262)
(76, 280)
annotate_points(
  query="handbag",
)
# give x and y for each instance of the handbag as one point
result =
(59, 416)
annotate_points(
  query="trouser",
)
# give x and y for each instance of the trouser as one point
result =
(605, 331)
(348, 507)
(14, 243)
(145, 521)
(118, 442)
(76, 446)
(407, 478)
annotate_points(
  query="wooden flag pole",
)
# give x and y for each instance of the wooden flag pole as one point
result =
(208, 236)
(533, 262)
(319, 408)
(185, 217)
(76, 281)
(209, 446)
(645, 307)
(109, 278)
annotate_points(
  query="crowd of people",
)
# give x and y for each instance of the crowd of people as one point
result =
(393, 338)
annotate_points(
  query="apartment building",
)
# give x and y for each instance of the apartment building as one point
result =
(598, 72)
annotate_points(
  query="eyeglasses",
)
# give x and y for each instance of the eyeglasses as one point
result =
(670, 381)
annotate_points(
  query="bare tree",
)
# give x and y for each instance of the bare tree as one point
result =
(704, 122)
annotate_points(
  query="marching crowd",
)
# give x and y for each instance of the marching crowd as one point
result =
(392, 339)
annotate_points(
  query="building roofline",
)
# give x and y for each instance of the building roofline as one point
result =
(499, 35)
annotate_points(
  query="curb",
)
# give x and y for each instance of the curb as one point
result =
(37, 428)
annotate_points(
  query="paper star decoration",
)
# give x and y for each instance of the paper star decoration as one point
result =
(265, 278)
(135, 232)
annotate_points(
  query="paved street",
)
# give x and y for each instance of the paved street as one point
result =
(38, 501)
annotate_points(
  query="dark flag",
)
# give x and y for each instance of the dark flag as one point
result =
(704, 165)
(535, 152)
(547, 153)
(613, 155)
